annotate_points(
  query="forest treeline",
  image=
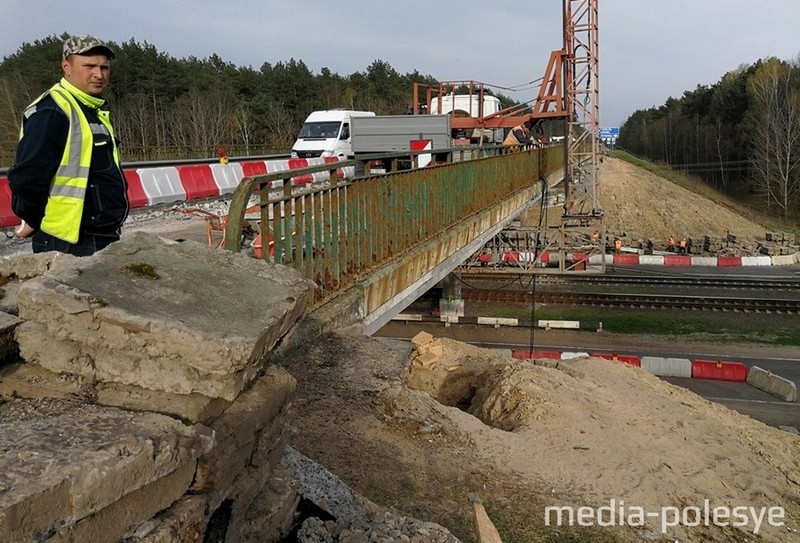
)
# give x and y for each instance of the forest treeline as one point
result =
(168, 108)
(740, 135)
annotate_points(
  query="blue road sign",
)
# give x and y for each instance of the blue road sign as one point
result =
(611, 133)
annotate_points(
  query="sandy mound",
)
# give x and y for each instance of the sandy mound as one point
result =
(420, 430)
(640, 205)
(644, 205)
(608, 430)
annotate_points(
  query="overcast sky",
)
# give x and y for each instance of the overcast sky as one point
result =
(649, 49)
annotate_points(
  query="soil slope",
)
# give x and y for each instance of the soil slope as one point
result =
(644, 205)
(421, 437)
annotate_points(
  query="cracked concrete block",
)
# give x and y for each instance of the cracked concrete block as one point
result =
(62, 461)
(181, 318)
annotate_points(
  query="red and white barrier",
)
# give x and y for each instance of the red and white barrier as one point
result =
(717, 370)
(175, 184)
(162, 185)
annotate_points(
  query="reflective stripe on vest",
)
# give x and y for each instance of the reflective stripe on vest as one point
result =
(64, 209)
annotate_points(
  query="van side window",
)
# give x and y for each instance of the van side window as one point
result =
(345, 132)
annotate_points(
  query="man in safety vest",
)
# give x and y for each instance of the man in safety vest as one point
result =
(519, 135)
(66, 182)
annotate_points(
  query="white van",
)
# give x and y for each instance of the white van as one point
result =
(326, 133)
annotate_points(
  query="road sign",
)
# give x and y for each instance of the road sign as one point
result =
(608, 133)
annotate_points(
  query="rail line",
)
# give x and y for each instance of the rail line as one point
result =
(703, 293)
(728, 282)
(640, 301)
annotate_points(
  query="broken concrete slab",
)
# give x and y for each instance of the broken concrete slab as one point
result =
(35, 382)
(112, 523)
(177, 317)
(30, 265)
(63, 461)
(238, 431)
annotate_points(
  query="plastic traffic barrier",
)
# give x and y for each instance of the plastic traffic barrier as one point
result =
(677, 260)
(227, 176)
(162, 185)
(653, 260)
(729, 261)
(569, 355)
(197, 181)
(296, 164)
(704, 261)
(253, 168)
(525, 354)
(136, 194)
(625, 358)
(719, 371)
(7, 217)
(626, 260)
(667, 367)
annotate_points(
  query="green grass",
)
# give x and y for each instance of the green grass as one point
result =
(769, 329)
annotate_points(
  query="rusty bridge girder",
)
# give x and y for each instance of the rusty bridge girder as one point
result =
(339, 233)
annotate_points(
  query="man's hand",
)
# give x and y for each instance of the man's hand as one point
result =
(24, 231)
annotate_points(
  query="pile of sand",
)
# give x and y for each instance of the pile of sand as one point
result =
(596, 430)
(644, 205)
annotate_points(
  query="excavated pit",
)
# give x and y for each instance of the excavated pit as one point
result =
(501, 392)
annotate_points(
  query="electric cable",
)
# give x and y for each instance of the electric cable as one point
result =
(537, 244)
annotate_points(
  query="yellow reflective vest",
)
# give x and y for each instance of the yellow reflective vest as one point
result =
(64, 209)
(512, 139)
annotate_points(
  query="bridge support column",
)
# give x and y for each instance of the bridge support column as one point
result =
(451, 304)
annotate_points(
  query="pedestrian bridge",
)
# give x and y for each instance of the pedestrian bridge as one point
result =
(374, 243)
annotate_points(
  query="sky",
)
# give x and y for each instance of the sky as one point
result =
(649, 50)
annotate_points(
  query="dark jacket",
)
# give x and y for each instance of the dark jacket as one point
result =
(519, 135)
(37, 158)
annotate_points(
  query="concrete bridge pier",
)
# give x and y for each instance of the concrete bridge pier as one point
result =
(451, 305)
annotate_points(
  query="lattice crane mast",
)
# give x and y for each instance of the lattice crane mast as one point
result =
(569, 91)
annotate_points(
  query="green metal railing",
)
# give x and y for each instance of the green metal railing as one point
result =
(339, 232)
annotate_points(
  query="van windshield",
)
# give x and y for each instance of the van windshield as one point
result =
(325, 129)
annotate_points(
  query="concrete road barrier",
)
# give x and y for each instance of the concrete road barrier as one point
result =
(774, 384)
(667, 367)
(652, 260)
(569, 355)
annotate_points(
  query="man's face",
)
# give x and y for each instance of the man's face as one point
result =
(89, 73)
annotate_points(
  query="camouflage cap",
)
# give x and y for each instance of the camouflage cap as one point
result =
(81, 45)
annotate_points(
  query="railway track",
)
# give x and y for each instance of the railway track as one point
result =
(639, 301)
(703, 293)
(627, 280)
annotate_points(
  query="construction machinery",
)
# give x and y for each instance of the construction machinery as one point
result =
(568, 92)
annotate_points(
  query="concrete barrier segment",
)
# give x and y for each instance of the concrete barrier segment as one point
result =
(667, 367)
(767, 381)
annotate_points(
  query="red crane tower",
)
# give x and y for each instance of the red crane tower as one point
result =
(569, 91)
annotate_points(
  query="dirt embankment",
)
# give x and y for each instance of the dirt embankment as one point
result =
(420, 436)
(641, 204)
